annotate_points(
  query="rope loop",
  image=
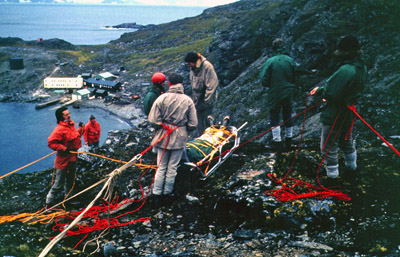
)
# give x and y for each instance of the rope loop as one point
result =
(168, 129)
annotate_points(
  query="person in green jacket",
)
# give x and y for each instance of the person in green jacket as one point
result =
(154, 91)
(278, 74)
(341, 89)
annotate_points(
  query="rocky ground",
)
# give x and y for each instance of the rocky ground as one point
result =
(228, 214)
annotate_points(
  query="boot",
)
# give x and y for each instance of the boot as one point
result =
(274, 146)
(157, 201)
(210, 120)
(288, 144)
(332, 171)
(226, 120)
(350, 160)
(169, 199)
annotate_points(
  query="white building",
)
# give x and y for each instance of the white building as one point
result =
(82, 94)
(61, 83)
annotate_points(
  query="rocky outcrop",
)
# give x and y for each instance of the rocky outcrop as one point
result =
(230, 214)
(132, 25)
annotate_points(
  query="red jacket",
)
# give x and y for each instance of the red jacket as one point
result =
(64, 136)
(92, 132)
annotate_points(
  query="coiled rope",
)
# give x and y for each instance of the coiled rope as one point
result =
(107, 185)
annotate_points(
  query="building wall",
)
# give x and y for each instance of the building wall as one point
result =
(63, 83)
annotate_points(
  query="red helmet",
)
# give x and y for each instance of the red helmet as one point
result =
(158, 77)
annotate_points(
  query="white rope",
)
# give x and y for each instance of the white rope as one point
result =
(116, 172)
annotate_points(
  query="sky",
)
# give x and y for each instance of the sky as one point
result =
(207, 3)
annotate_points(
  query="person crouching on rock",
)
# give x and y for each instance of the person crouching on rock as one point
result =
(172, 112)
(64, 139)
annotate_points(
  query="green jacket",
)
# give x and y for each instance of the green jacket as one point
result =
(151, 96)
(342, 89)
(278, 74)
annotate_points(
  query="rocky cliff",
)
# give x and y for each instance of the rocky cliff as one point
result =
(229, 214)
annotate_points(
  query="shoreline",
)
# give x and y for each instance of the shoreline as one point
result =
(128, 113)
(121, 113)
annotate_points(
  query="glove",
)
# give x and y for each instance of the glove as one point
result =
(66, 151)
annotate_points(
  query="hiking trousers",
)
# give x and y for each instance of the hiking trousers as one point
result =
(285, 107)
(64, 179)
(202, 121)
(347, 146)
(166, 171)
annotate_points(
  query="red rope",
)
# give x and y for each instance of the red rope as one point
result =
(261, 134)
(93, 220)
(287, 191)
(353, 109)
(169, 131)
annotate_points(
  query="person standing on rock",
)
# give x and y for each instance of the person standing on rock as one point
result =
(64, 139)
(278, 74)
(92, 133)
(175, 112)
(204, 82)
(341, 89)
(154, 91)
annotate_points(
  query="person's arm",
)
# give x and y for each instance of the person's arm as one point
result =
(333, 91)
(265, 74)
(99, 134)
(155, 117)
(85, 134)
(211, 83)
(192, 117)
(55, 141)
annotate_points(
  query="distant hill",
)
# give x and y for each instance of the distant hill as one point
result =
(237, 38)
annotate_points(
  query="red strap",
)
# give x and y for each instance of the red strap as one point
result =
(353, 109)
(169, 131)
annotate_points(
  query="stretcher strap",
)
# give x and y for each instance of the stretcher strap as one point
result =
(195, 145)
(216, 144)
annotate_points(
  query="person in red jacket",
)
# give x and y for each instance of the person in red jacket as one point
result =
(64, 139)
(92, 133)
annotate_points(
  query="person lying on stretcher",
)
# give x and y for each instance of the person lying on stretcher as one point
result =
(213, 139)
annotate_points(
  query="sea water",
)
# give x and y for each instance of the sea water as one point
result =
(24, 132)
(82, 24)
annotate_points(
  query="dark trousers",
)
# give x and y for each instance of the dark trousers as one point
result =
(286, 108)
(202, 121)
(347, 146)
